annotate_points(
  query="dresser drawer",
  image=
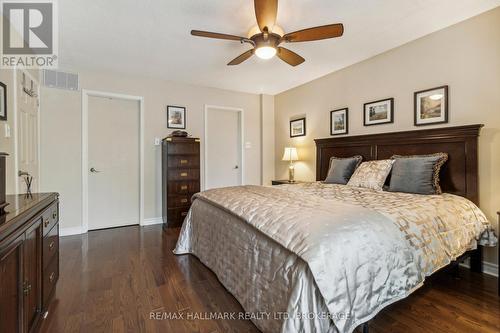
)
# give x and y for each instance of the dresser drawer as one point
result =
(184, 148)
(184, 174)
(183, 187)
(175, 216)
(50, 218)
(50, 276)
(183, 161)
(50, 245)
(175, 201)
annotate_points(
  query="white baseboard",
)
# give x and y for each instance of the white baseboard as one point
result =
(154, 220)
(71, 231)
(488, 267)
(79, 230)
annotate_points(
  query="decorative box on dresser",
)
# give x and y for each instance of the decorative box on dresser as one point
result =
(29, 260)
(180, 177)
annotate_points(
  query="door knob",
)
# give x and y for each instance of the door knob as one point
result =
(236, 167)
(94, 170)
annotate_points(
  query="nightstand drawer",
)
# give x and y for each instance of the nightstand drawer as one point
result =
(282, 182)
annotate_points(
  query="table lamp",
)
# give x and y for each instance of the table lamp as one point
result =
(290, 155)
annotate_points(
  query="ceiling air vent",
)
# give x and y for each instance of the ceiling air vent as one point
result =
(61, 80)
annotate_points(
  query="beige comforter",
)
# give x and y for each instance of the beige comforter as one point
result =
(363, 249)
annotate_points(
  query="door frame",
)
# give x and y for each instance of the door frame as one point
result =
(16, 132)
(241, 114)
(85, 151)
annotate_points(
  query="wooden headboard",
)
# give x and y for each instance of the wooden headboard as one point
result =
(458, 176)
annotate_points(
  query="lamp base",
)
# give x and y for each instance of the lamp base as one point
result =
(291, 173)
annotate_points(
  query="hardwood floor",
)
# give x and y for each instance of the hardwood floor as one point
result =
(111, 280)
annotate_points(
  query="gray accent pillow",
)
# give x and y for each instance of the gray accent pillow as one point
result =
(341, 169)
(417, 174)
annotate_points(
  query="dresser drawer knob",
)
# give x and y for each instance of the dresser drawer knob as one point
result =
(54, 215)
(184, 174)
(26, 287)
(184, 200)
(46, 223)
(184, 187)
(51, 245)
(184, 161)
(52, 276)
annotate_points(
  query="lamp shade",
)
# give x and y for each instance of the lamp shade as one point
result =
(290, 154)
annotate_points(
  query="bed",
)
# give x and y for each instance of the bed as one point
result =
(321, 257)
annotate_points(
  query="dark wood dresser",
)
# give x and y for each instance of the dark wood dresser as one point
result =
(180, 177)
(29, 260)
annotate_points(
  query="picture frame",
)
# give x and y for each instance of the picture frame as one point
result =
(431, 106)
(378, 112)
(176, 117)
(3, 101)
(297, 127)
(339, 121)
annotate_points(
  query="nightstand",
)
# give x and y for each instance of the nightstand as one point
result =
(284, 181)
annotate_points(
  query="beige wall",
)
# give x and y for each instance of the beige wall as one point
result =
(61, 133)
(267, 142)
(465, 56)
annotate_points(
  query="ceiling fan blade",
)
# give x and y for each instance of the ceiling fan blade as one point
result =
(316, 33)
(266, 12)
(216, 35)
(242, 57)
(289, 57)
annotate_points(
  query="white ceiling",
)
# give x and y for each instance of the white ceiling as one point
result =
(152, 37)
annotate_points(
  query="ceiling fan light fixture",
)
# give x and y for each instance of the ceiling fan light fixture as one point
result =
(265, 52)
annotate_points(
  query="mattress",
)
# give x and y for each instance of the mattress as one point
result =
(321, 257)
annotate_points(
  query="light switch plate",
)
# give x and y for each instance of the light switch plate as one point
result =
(7, 130)
(157, 141)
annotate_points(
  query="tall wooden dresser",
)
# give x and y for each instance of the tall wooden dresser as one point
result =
(180, 177)
(29, 260)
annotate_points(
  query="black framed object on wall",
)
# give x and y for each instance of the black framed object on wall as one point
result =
(339, 121)
(176, 117)
(297, 127)
(431, 106)
(378, 112)
(3, 101)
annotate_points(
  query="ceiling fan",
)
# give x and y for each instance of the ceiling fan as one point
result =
(266, 39)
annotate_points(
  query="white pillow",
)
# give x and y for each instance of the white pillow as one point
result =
(371, 174)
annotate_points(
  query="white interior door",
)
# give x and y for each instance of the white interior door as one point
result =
(113, 162)
(223, 163)
(27, 131)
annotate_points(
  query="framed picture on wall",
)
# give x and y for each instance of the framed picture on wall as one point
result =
(3, 101)
(379, 112)
(431, 106)
(339, 121)
(297, 127)
(176, 117)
